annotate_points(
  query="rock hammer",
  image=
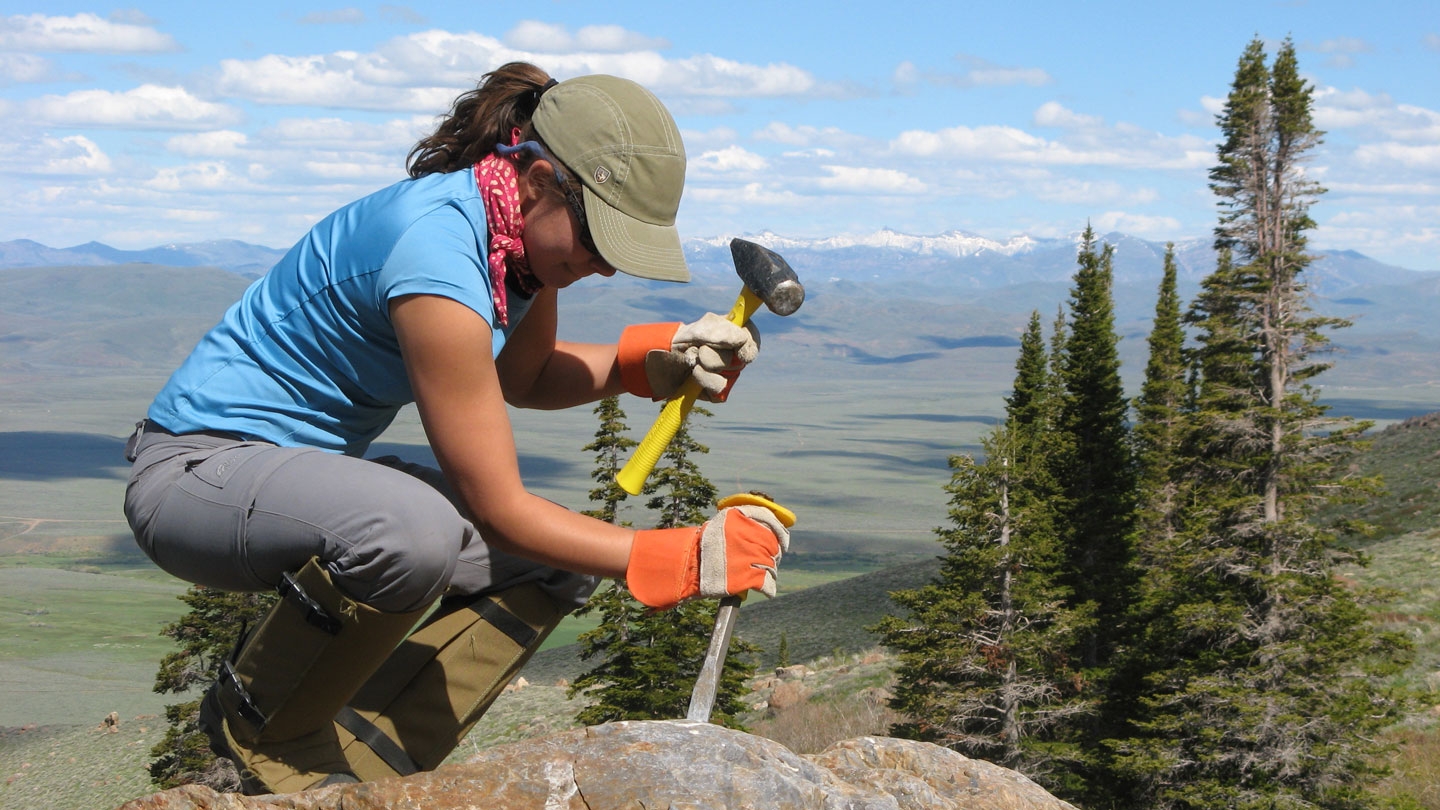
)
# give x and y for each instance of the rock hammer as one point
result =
(707, 684)
(767, 280)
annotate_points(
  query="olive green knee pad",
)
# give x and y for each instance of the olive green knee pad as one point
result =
(423, 701)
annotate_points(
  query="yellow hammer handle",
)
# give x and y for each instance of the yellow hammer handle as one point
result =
(632, 476)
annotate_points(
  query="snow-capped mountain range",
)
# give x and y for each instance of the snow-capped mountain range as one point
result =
(950, 261)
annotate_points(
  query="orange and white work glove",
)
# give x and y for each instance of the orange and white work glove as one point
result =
(657, 358)
(735, 552)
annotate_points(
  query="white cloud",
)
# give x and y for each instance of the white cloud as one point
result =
(906, 75)
(1359, 110)
(1432, 41)
(750, 194)
(82, 33)
(541, 37)
(76, 154)
(865, 180)
(805, 135)
(402, 14)
(1154, 227)
(191, 215)
(217, 143)
(341, 16)
(1091, 192)
(730, 160)
(426, 70)
(1411, 156)
(146, 107)
(23, 68)
(1053, 114)
(1122, 145)
(206, 176)
(983, 73)
(339, 80)
(708, 75)
(1341, 45)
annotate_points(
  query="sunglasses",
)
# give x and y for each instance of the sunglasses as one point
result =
(576, 202)
(573, 196)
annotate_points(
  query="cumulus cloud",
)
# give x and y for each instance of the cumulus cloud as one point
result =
(217, 143)
(867, 180)
(24, 68)
(49, 155)
(1410, 156)
(341, 16)
(1091, 192)
(401, 14)
(542, 37)
(983, 73)
(1340, 51)
(1378, 112)
(1053, 114)
(426, 70)
(82, 33)
(1155, 227)
(146, 107)
(750, 194)
(340, 80)
(730, 160)
(810, 137)
(1121, 145)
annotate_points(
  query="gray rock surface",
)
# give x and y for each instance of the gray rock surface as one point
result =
(667, 764)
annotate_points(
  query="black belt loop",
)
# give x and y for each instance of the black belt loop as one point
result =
(132, 445)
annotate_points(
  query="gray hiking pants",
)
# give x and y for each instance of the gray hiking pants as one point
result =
(232, 514)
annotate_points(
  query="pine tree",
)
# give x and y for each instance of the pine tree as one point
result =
(1029, 405)
(1160, 410)
(649, 661)
(985, 663)
(207, 634)
(611, 447)
(1259, 664)
(1095, 465)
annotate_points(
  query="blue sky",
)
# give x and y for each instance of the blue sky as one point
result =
(182, 121)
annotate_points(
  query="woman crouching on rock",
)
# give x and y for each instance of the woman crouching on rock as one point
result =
(249, 470)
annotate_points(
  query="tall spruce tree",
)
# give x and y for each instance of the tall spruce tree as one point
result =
(1259, 666)
(1160, 410)
(611, 448)
(985, 651)
(1029, 406)
(648, 660)
(1095, 466)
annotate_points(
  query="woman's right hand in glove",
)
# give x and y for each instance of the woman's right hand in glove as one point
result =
(734, 552)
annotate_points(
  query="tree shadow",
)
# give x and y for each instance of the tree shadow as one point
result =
(35, 455)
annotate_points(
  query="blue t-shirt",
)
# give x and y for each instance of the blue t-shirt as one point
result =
(308, 356)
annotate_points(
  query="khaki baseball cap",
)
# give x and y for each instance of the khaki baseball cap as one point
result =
(623, 146)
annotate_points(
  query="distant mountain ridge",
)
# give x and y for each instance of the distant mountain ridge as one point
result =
(226, 254)
(950, 261)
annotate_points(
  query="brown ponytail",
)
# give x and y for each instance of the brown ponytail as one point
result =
(504, 99)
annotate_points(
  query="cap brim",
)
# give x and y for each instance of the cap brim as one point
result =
(633, 246)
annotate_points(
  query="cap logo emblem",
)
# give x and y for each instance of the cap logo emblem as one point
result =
(601, 174)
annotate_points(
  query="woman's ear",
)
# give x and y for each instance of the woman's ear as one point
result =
(534, 181)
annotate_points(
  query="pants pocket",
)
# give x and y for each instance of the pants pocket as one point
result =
(198, 532)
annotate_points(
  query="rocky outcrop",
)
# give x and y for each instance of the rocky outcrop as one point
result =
(671, 764)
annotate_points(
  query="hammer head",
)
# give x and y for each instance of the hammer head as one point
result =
(768, 276)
